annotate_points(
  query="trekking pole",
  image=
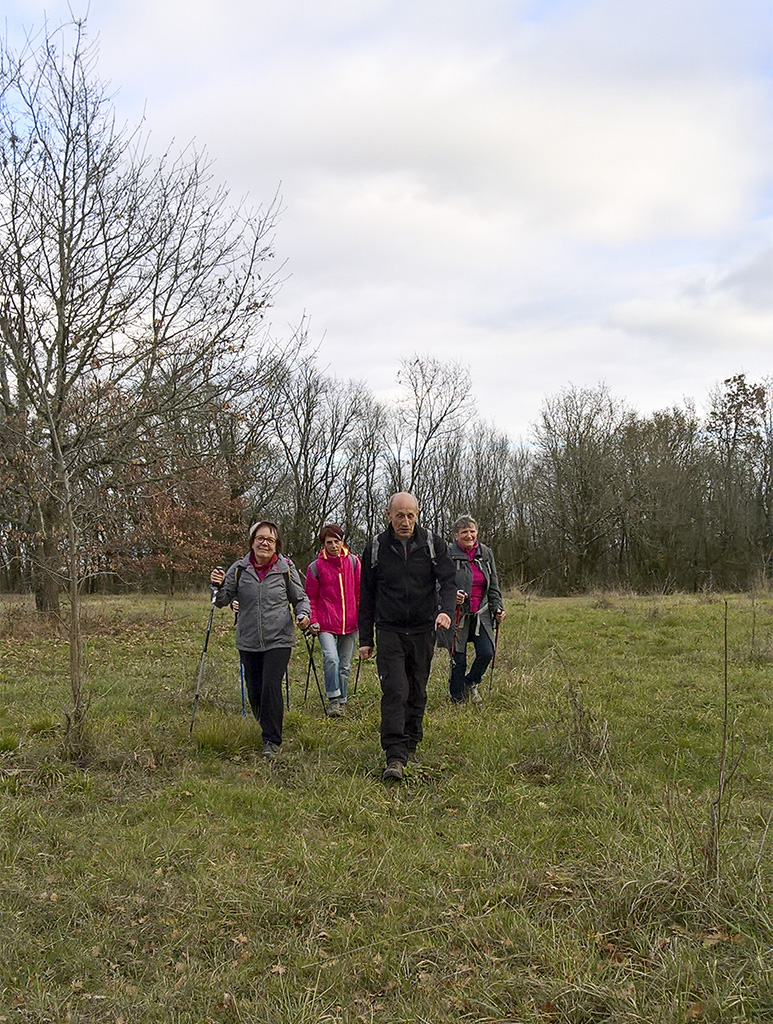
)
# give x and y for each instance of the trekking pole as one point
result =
(241, 673)
(214, 590)
(452, 650)
(310, 649)
(456, 630)
(494, 656)
(357, 677)
(313, 668)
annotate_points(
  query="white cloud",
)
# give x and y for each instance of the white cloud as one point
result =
(551, 190)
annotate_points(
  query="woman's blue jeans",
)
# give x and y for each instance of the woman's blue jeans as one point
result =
(337, 654)
(460, 678)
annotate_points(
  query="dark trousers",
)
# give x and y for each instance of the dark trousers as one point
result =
(263, 675)
(460, 677)
(403, 662)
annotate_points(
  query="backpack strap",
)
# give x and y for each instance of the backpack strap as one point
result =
(237, 573)
(291, 565)
(374, 550)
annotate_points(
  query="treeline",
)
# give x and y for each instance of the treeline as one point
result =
(598, 496)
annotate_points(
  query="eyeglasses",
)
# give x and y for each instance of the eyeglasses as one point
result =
(261, 538)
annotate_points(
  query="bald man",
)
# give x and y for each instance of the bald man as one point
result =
(408, 591)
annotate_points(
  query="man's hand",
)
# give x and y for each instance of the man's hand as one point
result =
(303, 622)
(443, 621)
(365, 653)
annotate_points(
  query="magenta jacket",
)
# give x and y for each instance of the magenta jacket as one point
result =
(333, 589)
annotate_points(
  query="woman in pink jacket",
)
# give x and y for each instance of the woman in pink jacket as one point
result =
(333, 589)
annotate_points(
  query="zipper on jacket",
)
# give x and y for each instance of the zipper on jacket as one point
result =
(343, 598)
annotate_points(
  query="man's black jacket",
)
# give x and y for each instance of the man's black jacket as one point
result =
(406, 589)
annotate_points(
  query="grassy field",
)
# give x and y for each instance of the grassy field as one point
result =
(549, 862)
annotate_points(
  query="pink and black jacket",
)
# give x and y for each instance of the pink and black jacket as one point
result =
(333, 589)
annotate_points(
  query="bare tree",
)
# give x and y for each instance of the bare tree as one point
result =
(579, 487)
(436, 400)
(661, 527)
(739, 497)
(314, 419)
(364, 490)
(126, 285)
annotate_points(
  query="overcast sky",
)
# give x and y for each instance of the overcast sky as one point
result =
(552, 192)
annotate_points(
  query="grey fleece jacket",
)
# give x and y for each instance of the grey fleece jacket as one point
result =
(264, 605)
(492, 597)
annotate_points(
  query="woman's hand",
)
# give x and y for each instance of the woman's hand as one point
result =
(303, 622)
(217, 576)
(500, 614)
(461, 597)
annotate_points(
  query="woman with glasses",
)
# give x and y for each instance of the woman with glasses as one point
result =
(265, 584)
(333, 587)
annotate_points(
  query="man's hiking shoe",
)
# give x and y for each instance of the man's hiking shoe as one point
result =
(393, 772)
(335, 709)
(270, 750)
(475, 695)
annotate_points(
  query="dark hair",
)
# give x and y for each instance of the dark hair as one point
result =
(330, 530)
(273, 527)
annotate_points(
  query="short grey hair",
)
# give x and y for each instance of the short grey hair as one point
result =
(463, 522)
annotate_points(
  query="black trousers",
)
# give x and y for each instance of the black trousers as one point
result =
(403, 661)
(461, 679)
(263, 675)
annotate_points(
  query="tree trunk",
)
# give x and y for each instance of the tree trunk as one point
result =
(46, 585)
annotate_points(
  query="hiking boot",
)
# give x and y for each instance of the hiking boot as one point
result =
(335, 709)
(475, 695)
(270, 750)
(393, 772)
(413, 757)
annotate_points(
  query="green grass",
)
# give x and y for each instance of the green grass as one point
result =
(543, 865)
